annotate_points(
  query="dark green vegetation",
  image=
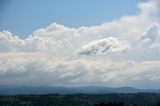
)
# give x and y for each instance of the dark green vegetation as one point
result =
(130, 99)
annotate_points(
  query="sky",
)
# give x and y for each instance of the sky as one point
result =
(80, 43)
(22, 17)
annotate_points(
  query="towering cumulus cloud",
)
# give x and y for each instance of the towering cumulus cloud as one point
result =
(124, 52)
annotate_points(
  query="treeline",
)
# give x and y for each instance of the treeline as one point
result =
(118, 104)
(132, 99)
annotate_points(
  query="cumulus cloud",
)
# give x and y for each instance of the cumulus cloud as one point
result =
(103, 46)
(151, 8)
(49, 71)
(53, 55)
(8, 42)
(151, 37)
(152, 32)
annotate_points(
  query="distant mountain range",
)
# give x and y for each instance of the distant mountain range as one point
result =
(14, 90)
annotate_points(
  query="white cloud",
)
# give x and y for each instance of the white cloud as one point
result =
(151, 8)
(8, 42)
(103, 46)
(151, 38)
(82, 72)
(50, 56)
